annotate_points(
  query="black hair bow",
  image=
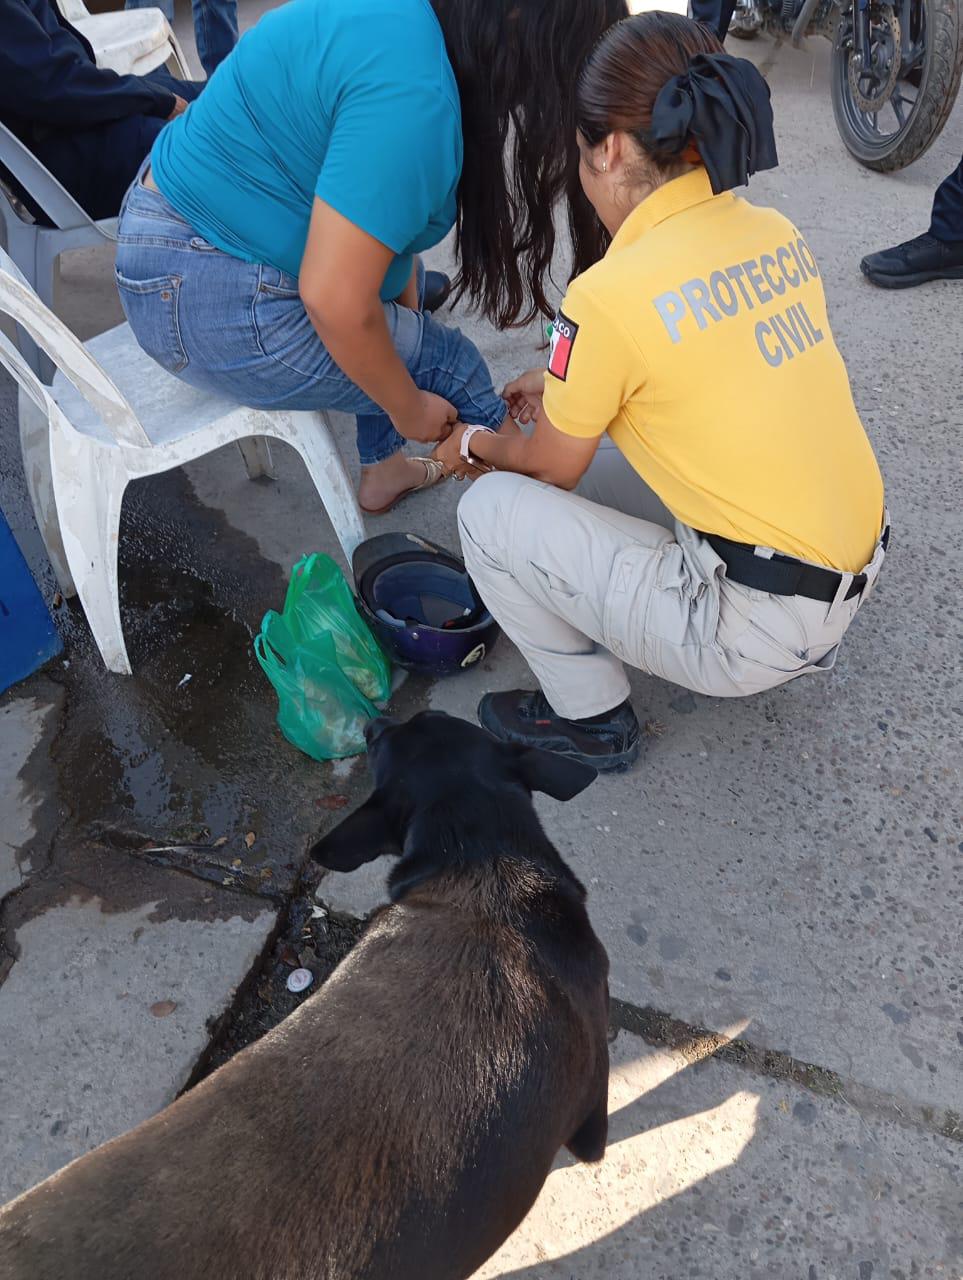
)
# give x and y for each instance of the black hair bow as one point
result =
(723, 102)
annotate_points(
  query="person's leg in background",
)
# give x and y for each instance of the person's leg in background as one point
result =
(166, 6)
(935, 255)
(215, 31)
(714, 14)
(946, 221)
(215, 27)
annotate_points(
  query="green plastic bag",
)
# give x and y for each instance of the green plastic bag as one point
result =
(319, 600)
(320, 710)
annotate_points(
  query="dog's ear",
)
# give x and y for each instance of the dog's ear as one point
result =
(360, 838)
(558, 776)
(587, 1143)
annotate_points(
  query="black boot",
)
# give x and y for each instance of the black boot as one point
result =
(915, 262)
(437, 289)
(608, 742)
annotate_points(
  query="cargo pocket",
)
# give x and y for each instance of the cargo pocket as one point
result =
(151, 310)
(763, 630)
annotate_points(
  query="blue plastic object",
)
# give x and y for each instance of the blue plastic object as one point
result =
(28, 637)
(421, 604)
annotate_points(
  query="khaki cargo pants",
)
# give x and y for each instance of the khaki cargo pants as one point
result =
(584, 582)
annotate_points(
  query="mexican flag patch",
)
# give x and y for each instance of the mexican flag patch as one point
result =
(564, 333)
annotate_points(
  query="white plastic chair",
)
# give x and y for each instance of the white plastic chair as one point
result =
(111, 416)
(131, 42)
(35, 248)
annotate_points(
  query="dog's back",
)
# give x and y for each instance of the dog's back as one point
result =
(442, 1074)
(400, 1124)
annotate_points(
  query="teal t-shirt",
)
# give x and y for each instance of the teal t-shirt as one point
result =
(353, 102)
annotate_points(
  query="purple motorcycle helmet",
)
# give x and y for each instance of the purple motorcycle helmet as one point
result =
(419, 601)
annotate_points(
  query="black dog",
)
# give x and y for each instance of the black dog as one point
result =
(401, 1123)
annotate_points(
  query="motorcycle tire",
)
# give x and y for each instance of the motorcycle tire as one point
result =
(937, 90)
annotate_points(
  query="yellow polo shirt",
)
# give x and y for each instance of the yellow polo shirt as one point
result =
(701, 344)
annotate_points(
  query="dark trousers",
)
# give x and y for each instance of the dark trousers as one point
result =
(946, 222)
(714, 14)
(215, 27)
(98, 164)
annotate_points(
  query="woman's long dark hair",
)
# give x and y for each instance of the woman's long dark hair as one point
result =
(516, 63)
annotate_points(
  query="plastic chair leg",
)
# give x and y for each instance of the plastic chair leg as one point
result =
(47, 257)
(89, 484)
(256, 452)
(181, 68)
(35, 451)
(314, 440)
(23, 246)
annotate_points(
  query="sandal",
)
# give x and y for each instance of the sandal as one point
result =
(435, 471)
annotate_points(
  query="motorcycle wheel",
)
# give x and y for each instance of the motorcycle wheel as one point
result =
(885, 119)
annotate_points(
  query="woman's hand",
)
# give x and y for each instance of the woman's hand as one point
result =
(524, 395)
(431, 418)
(547, 454)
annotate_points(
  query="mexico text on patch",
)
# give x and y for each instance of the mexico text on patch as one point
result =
(564, 333)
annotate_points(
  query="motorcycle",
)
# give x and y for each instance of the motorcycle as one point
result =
(895, 67)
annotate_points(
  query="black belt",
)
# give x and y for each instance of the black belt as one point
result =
(782, 575)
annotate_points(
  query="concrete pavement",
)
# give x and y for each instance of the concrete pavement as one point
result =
(783, 870)
(713, 1174)
(109, 1006)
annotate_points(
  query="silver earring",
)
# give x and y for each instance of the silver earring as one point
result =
(605, 166)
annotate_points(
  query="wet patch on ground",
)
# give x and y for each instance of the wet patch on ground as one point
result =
(181, 768)
(183, 763)
(118, 883)
(189, 745)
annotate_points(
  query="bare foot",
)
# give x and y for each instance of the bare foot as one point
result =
(382, 483)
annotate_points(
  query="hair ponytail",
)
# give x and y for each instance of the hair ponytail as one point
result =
(666, 81)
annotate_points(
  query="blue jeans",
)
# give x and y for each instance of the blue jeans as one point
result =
(947, 220)
(215, 27)
(240, 329)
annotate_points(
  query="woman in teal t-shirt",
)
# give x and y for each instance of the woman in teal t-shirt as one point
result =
(269, 248)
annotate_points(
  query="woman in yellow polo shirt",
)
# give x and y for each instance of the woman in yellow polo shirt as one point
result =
(729, 518)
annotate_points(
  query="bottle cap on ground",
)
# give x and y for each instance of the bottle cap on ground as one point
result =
(299, 980)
